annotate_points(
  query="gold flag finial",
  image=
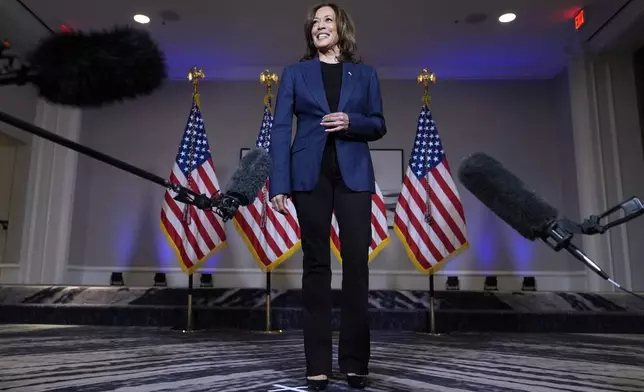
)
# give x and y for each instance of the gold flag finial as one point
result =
(426, 77)
(268, 78)
(194, 75)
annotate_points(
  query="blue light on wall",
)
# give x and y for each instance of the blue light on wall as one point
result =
(213, 260)
(166, 257)
(522, 250)
(485, 239)
(165, 254)
(484, 60)
(126, 237)
(485, 247)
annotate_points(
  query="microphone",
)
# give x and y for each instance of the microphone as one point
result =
(244, 185)
(506, 195)
(97, 68)
(92, 69)
(520, 207)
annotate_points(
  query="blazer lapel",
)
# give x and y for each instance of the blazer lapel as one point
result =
(349, 81)
(312, 73)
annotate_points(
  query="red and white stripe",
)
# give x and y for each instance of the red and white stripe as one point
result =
(379, 228)
(430, 244)
(203, 233)
(270, 236)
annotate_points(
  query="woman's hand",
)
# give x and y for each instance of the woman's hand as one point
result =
(279, 204)
(335, 122)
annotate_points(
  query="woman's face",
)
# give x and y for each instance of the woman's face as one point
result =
(324, 29)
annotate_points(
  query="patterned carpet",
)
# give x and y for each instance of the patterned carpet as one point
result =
(36, 358)
(402, 310)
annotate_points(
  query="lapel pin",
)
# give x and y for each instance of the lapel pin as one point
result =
(350, 74)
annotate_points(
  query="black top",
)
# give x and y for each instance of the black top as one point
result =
(332, 78)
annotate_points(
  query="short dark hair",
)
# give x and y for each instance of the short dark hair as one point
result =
(346, 34)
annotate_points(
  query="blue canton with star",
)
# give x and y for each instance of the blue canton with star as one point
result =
(194, 149)
(264, 138)
(428, 150)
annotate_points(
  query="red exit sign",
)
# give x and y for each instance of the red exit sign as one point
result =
(580, 19)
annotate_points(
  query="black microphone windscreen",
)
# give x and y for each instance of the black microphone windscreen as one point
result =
(250, 176)
(506, 195)
(96, 68)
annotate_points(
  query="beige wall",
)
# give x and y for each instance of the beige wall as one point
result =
(525, 124)
(14, 166)
(536, 128)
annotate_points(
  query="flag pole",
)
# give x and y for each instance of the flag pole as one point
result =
(432, 314)
(268, 78)
(426, 77)
(269, 328)
(194, 75)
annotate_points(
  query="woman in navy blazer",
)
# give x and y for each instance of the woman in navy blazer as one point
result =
(338, 106)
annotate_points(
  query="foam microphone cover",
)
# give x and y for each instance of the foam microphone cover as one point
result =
(250, 176)
(506, 195)
(96, 68)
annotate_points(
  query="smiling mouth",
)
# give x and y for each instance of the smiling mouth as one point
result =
(323, 35)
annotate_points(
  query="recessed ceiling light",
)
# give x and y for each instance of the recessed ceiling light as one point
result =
(141, 19)
(507, 18)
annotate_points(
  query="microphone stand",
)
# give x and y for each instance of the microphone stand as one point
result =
(184, 195)
(431, 311)
(632, 208)
(560, 233)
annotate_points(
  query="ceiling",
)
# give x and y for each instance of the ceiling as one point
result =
(239, 39)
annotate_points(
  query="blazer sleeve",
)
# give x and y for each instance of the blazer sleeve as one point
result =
(369, 126)
(279, 151)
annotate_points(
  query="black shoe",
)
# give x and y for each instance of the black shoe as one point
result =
(356, 381)
(317, 385)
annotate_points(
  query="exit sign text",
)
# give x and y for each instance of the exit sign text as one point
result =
(580, 19)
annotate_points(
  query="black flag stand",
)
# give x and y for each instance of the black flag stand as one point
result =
(190, 315)
(268, 328)
(431, 310)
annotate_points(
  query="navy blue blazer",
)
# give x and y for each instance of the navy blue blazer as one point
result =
(301, 94)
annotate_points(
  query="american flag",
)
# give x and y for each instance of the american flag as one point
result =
(379, 229)
(193, 233)
(270, 236)
(429, 218)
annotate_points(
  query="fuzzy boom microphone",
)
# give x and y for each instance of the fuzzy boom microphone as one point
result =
(91, 69)
(506, 195)
(245, 183)
(521, 208)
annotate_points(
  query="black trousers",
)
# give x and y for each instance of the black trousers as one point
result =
(353, 212)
